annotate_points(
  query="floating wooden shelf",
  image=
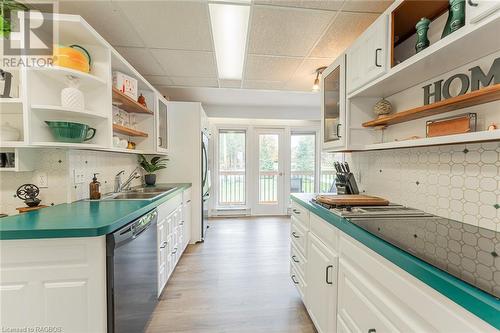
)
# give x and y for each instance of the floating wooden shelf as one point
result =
(128, 104)
(128, 131)
(481, 96)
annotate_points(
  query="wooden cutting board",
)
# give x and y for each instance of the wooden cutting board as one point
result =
(352, 200)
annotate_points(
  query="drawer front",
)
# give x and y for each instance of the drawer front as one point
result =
(423, 308)
(298, 236)
(301, 214)
(298, 282)
(186, 196)
(297, 259)
(326, 232)
(169, 206)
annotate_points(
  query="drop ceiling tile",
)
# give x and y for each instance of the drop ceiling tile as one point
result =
(341, 34)
(230, 83)
(141, 59)
(263, 85)
(194, 82)
(368, 6)
(183, 25)
(286, 31)
(268, 68)
(105, 17)
(311, 4)
(159, 80)
(303, 79)
(186, 63)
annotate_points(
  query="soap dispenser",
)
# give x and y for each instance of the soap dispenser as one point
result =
(94, 186)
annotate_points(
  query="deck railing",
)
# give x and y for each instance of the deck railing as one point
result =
(232, 188)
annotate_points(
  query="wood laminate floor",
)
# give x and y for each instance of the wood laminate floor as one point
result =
(236, 281)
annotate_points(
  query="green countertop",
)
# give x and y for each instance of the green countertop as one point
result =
(482, 304)
(80, 218)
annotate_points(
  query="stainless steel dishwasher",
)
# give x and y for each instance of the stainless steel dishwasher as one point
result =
(132, 274)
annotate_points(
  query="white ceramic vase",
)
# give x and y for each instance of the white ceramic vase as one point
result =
(72, 97)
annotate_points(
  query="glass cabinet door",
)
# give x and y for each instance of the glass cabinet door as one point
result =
(162, 126)
(331, 121)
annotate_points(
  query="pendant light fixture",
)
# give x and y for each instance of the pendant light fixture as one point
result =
(319, 70)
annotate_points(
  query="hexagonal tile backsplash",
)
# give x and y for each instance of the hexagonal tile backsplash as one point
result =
(460, 182)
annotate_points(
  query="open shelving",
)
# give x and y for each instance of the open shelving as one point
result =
(127, 104)
(61, 73)
(68, 111)
(128, 131)
(484, 95)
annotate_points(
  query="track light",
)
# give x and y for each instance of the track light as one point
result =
(316, 80)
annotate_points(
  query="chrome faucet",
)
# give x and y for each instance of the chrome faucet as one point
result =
(119, 186)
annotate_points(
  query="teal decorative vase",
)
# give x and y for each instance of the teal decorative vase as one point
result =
(456, 17)
(422, 27)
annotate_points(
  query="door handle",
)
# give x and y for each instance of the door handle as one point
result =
(376, 57)
(294, 234)
(327, 274)
(294, 280)
(294, 258)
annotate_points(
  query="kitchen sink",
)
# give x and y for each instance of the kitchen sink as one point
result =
(139, 193)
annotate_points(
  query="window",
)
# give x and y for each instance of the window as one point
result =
(232, 168)
(303, 164)
(328, 170)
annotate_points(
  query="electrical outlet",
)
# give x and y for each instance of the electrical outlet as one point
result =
(41, 179)
(78, 176)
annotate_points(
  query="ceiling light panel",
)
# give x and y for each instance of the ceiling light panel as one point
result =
(229, 29)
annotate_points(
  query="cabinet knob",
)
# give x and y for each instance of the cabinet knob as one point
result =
(294, 234)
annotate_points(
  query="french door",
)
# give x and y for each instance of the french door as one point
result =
(268, 178)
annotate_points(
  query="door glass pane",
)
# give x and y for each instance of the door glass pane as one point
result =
(303, 153)
(268, 168)
(328, 170)
(162, 126)
(232, 167)
(332, 105)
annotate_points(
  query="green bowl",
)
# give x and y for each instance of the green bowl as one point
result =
(64, 131)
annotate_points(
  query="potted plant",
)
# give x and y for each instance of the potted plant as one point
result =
(156, 163)
(7, 6)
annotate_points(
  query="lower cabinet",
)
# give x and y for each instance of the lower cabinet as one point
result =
(173, 235)
(321, 294)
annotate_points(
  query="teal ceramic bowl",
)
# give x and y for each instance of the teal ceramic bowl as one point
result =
(64, 131)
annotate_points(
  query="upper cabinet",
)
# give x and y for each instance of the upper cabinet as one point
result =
(367, 57)
(333, 104)
(162, 141)
(477, 10)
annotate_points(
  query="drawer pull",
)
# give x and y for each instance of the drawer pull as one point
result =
(174, 251)
(163, 245)
(327, 277)
(473, 4)
(294, 280)
(372, 330)
(188, 201)
(294, 234)
(294, 258)
(296, 211)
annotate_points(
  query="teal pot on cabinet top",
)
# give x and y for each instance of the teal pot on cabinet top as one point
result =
(64, 131)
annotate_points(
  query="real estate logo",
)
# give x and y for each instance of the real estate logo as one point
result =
(28, 33)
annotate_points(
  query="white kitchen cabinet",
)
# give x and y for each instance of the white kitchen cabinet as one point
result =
(58, 282)
(367, 57)
(186, 217)
(162, 140)
(478, 10)
(333, 104)
(321, 281)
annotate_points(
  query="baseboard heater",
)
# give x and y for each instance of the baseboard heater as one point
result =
(230, 212)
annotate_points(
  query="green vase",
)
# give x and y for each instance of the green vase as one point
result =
(422, 27)
(456, 17)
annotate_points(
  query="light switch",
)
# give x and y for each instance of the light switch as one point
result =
(78, 176)
(41, 179)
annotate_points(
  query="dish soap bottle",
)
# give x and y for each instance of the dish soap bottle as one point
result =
(94, 186)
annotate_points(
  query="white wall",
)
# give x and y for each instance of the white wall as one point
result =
(263, 112)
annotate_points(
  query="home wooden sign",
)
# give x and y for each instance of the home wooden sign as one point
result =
(474, 80)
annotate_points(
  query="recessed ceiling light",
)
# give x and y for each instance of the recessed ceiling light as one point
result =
(229, 29)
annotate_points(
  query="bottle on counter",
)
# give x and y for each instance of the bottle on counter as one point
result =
(94, 188)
